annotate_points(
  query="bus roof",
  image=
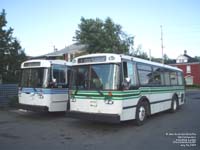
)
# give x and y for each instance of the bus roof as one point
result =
(99, 58)
(38, 63)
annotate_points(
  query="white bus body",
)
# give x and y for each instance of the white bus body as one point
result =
(44, 85)
(114, 88)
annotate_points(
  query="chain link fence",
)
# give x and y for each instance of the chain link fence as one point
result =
(7, 93)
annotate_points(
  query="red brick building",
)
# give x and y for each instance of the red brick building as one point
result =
(191, 72)
(190, 67)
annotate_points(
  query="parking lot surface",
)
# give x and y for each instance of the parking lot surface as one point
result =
(54, 131)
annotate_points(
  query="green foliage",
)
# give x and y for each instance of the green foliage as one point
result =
(139, 53)
(103, 36)
(159, 60)
(11, 53)
(167, 60)
(197, 58)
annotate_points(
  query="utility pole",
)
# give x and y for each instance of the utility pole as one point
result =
(150, 55)
(162, 43)
(54, 48)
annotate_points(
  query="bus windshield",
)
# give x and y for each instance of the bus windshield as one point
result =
(34, 77)
(95, 77)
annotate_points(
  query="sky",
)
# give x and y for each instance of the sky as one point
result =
(40, 25)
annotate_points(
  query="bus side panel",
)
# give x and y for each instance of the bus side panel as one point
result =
(129, 109)
(130, 104)
(59, 98)
(160, 101)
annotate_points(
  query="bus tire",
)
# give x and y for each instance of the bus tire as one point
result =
(174, 104)
(141, 113)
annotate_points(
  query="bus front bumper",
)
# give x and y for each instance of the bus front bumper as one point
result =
(110, 118)
(33, 108)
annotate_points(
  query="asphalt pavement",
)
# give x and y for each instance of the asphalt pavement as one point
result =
(54, 131)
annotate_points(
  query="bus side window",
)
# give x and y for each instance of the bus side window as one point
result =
(145, 74)
(173, 78)
(125, 70)
(59, 76)
(69, 72)
(158, 76)
(180, 79)
(166, 77)
(129, 81)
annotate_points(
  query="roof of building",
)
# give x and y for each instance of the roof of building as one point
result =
(74, 48)
(189, 58)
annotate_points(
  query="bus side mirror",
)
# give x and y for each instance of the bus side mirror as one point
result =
(54, 80)
(52, 84)
(128, 80)
(126, 83)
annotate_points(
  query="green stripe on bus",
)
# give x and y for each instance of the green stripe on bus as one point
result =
(125, 95)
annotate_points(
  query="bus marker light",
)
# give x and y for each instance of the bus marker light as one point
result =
(109, 93)
(111, 58)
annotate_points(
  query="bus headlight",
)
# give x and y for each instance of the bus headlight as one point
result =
(40, 94)
(108, 101)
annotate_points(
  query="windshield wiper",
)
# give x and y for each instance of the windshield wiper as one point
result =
(76, 90)
(98, 90)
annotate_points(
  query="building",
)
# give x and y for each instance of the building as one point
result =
(67, 53)
(190, 67)
(185, 58)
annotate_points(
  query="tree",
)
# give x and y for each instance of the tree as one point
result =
(197, 58)
(11, 53)
(103, 36)
(139, 53)
(167, 60)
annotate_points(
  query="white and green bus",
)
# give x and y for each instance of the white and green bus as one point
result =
(114, 88)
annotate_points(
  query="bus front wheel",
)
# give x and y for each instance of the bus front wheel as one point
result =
(141, 113)
(174, 104)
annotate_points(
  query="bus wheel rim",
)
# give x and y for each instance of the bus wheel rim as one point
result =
(175, 105)
(142, 113)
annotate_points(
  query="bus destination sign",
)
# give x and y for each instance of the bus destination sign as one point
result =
(92, 59)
